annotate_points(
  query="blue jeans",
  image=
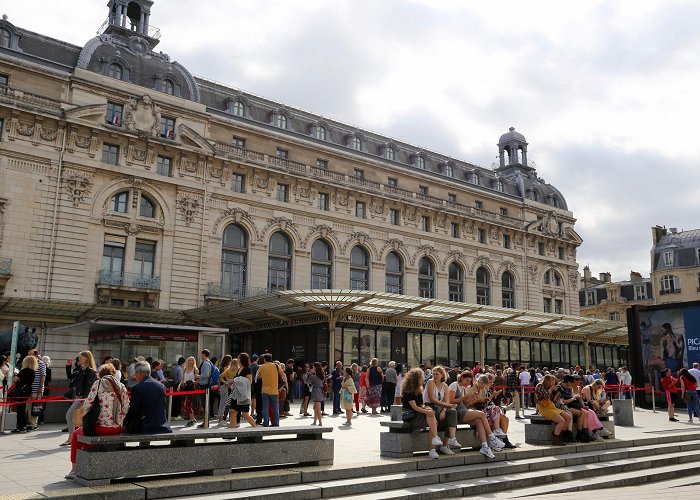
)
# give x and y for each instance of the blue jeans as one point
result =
(693, 404)
(267, 400)
(336, 402)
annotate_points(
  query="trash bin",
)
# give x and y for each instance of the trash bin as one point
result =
(623, 412)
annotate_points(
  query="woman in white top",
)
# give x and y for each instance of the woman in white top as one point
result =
(189, 377)
(435, 396)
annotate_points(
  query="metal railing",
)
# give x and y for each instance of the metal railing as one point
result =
(153, 32)
(216, 289)
(668, 291)
(132, 280)
(5, 266)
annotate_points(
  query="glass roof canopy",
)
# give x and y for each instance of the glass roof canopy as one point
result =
(381, 308)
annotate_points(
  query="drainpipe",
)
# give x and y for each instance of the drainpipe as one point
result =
(201, 236)
(49, 272)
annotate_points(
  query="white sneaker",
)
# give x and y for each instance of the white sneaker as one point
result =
(436, 441)
(433, 454)
(598, 437)
(604, 432)
(445, 450)
(454, 443)
(499, 433)
(494, 443)
(486, 451)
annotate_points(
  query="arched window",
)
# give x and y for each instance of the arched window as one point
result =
(168, 87)
(499, 186)
(280, 121)
(321, 265)
(279, 263)
(320, 132)
(356, 143)
(390, 154)
(238, 108)
(426, 278)
(508, 290)
(556, 279)
(234, 258)
(535, 196)
(455, 277)
(420, 162)
(120, 202)
(115, 71)
(475, 178)
(449, 170)
(483, 287)
(5, 38)
(359, 269)
(147, 208)
(394, 273)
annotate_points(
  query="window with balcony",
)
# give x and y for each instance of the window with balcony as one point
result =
(283, 192)
(507, 290)
(110, 154)
(360, 209)
(322, 164)
(323, 201)
(454, 229)
(359, 268)
(479, 205)
(392, 182)
(394, 273)
(120, 202)
(114, 114)
(670, 284)
(238, 108)
(279, 262)
(423, 190)
(164, 166)
(483, 287)
(455, 283)
(358, 173)
(426, 278)
(451, 198)
(394, 217)
(238, 142)
(425, 223)
(113, 258)
(320, 132)
(238, 183)
(147, 208)
(321, 265)
(234, 260)
(144, 259)
(282, 153)
(167, 127)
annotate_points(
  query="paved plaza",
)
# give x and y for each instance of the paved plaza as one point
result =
(34, 463)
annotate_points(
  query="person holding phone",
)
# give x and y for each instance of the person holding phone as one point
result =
(546, 393)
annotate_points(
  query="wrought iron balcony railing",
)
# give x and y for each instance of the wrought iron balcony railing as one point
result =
(216, 289)
(132, 280)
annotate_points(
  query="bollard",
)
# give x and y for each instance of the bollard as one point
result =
(523, 403)
(205, 425)
(653, 400)
(170, 405)
(634, 401)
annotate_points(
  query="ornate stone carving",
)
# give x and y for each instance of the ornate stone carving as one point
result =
(532, 272)
(452, 256)
(393, 244)
(142, 115)
(48, 135)
(341, 200)
(78, 185)
(283, 223)
(482, 260)
(409, 214)
(360, 238)
(237, 216)
(189, 207)
(25, 130)
(573, 280)
(424, 250)
(132, 229)
(3, 204)
(324, 232)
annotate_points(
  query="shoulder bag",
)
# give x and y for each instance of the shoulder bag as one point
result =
(90, 418)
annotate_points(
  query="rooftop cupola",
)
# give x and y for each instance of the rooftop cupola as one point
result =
(131, 17)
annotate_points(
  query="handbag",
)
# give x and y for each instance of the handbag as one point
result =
(347, 396)
(37, 410)
(90, 418)
(408, 415)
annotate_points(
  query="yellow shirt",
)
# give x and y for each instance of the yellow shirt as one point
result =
(269, 373)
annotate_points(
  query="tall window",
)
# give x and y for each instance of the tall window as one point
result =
(114, 114)
(164, 166)
(360, 209)
(670, 284)
(144, 258)
(113, 258)
(449, 170)
(115, 71)
(640, 292)
(394, 216)
(454, 229)
(5, 38)
(238, 183)
(394, 273)
(356, 143)
(280, 121)
(238, 108)
(323, 201)
(279, 262)
(168, 87)
(668, 259)
(426, 278)
(110, 154)
(425, 223)
(359, 269)
(389, 154)
(321, 265)
(167, 127)
(420, 162)
(475, 178)
(120, 202)
(482, 235)
(455, 278)
(558, 306)
(508, 290)
(499, 186)
(283, 192)
(547, 305)
(320, 132)
(234, 258)
(147, 208)
(483, 287)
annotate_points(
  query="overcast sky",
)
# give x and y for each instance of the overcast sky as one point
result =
(604, 92)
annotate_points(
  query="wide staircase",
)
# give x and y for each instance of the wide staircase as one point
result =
(518, 473)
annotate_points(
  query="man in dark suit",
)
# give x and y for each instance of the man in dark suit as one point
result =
(147, 413)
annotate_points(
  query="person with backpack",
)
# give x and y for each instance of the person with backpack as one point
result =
(206, 371)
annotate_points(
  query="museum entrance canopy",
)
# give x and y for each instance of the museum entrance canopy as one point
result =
(303, 307)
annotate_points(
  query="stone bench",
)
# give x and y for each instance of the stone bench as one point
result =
(213, 452)
(402, 442)
(540, 429)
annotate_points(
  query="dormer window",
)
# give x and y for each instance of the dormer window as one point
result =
(668, 259)
(389, 153)
(5, 38)
(115, 70)
(356, 143)
(280, 121)
(499, 186)
(320, 132)
(168, 87)
(420, 162)
(474, 178)
(449, 170)
(238, 109)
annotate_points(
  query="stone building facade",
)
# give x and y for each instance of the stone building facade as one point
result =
(604, 299)
(125, 182)
(675, 265)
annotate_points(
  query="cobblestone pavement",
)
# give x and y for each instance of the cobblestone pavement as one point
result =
(34, 462)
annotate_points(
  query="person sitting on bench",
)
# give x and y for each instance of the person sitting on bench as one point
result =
(546, 393)
(147, 413)
(415, 412)
(435, 396)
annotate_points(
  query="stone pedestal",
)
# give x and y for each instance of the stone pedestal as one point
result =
(623, 412)
(10, 421)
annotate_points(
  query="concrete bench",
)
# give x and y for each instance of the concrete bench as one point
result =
(213, 452)
(402, 442)
(540, 429)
